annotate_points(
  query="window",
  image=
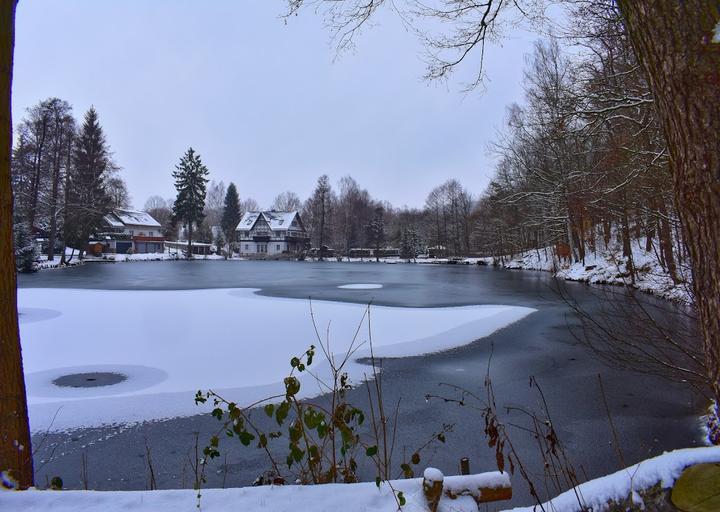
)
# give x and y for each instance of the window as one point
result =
(151, 233)
(247, 246)
(277, 247)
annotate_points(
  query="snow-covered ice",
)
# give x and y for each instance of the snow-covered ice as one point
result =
(172, 343)
(361, 286)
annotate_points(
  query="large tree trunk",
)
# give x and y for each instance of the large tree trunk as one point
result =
(680, 54)
(15, 449)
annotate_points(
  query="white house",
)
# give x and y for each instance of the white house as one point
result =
(271, 232)
(132, 229)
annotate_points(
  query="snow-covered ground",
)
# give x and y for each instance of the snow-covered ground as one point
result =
(45, 263)
(362, 497)
(154, 256)
(663, 469)
(172, 343)
(609, 267)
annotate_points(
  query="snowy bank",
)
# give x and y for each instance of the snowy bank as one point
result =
(664, 470)
(610, 267)
(169, 344)
(361, 497)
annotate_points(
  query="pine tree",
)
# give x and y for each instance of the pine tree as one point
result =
(376, 231)
(409, 244)
(190, 183)
(231, 215)
(88, 200)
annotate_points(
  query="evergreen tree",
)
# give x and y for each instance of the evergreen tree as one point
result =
(190, 183)
(409, 244)
(231, 215)
(376, 231)
(88, 200)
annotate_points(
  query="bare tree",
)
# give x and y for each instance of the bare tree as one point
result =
(287, 202)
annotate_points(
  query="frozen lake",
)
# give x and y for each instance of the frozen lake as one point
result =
(539, 345)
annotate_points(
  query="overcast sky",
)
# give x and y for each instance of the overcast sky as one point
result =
(266, 104)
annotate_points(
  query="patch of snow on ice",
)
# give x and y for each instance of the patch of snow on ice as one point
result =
(360, 286)
(230, 341)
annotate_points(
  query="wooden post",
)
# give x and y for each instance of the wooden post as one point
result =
(432, 488)
(464, 466)
(483, 487)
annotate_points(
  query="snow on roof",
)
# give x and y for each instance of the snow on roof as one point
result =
(135, 218)
(276, 220)
(113, 221)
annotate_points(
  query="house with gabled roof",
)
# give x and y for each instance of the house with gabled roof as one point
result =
(131, 231)
(271, 233)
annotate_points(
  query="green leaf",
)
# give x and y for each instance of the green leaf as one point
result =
(294, 362)
(217, 413)
(269, 410)
(401, 498)
(377, 481)
(371, 450)
(281, 412)
(415, 459)
(407, 470)
(246, 437)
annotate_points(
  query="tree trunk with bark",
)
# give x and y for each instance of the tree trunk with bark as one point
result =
(15, 449)
(678, 46)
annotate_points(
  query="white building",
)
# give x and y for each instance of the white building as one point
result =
(271, 232)
(132, 229)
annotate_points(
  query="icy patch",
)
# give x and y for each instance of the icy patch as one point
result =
(360, 286)
(171, 343)
(49, 383)
(27, 315)
(716, 33)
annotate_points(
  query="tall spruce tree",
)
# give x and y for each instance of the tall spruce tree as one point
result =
(191, 185)
(409, 244)
(231, 215)
(88, 200)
